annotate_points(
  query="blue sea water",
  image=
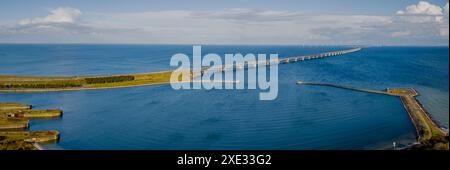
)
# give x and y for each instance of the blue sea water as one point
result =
(302, 117)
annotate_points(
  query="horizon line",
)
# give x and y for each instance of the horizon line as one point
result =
(229, 44)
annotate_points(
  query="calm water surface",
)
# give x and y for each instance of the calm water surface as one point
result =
(302, 117)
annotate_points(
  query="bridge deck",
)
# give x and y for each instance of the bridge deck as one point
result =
(254, 64)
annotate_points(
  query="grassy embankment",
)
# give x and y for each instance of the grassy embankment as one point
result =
(431, 136)
(13, 106)
(14, 118)
(429, 133)
(29, 83)
(26, 140)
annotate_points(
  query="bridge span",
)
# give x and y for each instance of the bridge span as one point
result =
(318, 56)
(254, 64)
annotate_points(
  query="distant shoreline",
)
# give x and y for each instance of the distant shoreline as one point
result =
(76, 83)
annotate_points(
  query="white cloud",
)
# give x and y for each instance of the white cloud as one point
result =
(248, 26)
(401, 33)
(423, 19)
(424, 12)
(249, 15)
(400, 12)
(58, 15)
(444, 32)
(422, 8)
(227, 26)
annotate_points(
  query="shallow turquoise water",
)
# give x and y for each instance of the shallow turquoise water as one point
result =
(302, 117)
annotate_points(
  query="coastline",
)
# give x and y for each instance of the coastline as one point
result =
(77, 89)
(115, 85)
(429, 133)
(75, 83)
(14, 124)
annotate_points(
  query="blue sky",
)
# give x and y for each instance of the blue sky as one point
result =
(325, 22)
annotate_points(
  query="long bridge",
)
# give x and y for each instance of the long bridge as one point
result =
(55, 83)
(318, 56)
(254, 64)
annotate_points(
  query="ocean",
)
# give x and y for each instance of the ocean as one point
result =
(301, 118)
